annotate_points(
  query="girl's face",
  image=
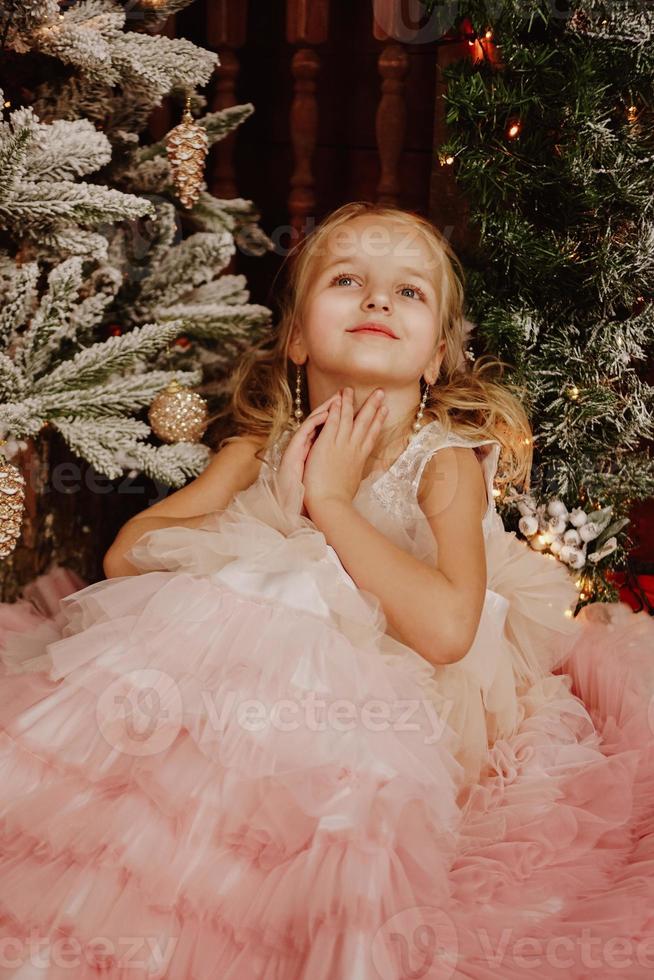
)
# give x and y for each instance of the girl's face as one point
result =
(370, 270)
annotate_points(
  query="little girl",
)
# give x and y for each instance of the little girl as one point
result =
(326, 719)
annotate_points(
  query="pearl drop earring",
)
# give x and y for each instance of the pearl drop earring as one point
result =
(416, 424)
(296, 418)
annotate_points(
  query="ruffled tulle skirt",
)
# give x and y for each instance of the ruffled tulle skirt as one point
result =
(224, 767)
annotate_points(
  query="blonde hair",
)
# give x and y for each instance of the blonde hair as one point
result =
(465, 399)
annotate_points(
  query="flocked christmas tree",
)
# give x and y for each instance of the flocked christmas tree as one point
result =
(114, 294)
(550, 133)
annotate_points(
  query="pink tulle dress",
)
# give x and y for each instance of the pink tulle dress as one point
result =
(228, 768)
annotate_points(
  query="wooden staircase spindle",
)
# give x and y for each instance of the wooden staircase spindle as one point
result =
(390, 122)
(226, 32)
(307, 23)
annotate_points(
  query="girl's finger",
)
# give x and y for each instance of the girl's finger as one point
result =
(347, 412)
(374, 428)
(368, 412)
(319, 413)
(327, 402)
(310, 422)
(300, 442)
(334, 414)
(308, 428)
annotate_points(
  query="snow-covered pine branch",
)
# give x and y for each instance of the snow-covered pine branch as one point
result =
(625, 21)
(173, 464)
(117, 395)
(98, 362)
(195, 260)
(238, 216)
(27, 15)
(68, 149)
(216, 321)
(43, 203)
(50, 324)
(106, 442)
(48, 210)
(18, 297)
(91, 37)
(12, 380)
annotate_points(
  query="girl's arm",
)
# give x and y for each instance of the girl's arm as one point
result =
(232, 469)
(435, 610)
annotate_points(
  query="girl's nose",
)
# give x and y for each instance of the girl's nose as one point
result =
(381, 302)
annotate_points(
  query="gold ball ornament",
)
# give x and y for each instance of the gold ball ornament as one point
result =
(187, 146)
(12, 505)
(178, 414)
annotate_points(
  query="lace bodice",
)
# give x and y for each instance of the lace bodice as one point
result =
(389, 500)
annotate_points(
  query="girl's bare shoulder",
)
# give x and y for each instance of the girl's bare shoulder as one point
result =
(234, 467)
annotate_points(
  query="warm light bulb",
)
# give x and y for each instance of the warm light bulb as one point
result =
(488, 35)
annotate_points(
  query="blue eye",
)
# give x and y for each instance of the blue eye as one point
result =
(419, 294)
(415, 289)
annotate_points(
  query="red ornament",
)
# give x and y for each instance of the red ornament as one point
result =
(183, 342)
(636, 590)
(490, 49)
(481, 46)
(114, 330)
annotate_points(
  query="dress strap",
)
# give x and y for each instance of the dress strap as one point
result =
(486, 450)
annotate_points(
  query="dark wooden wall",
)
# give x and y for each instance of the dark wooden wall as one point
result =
(346, 162)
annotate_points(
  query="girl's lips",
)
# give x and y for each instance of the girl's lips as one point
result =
(377, 333)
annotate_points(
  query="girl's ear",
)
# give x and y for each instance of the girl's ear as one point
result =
(433, 367)
(296, 346)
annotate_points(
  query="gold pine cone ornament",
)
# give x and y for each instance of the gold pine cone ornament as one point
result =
(178, 414)
(187, 146)
(12, 506)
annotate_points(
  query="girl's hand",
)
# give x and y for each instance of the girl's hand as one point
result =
(291, 467)
(334, 467)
